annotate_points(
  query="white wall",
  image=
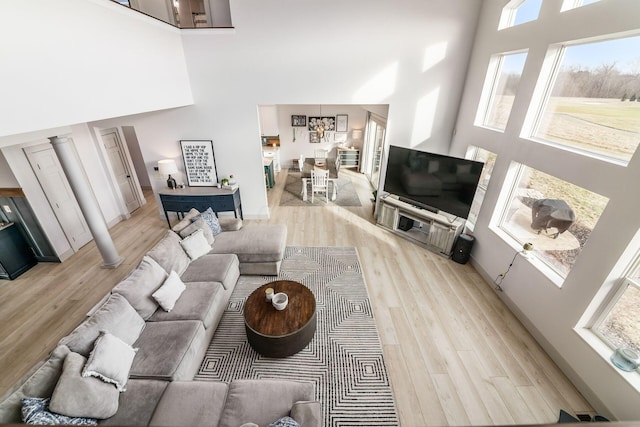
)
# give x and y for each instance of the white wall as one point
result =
(410, 54)
(72, 61)
(552, 312)
(7, 179)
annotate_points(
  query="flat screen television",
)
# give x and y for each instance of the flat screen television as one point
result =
(432, 181)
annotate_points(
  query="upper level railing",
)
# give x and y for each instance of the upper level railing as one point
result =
(184, 13)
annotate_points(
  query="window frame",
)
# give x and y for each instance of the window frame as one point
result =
(574, 4)
(472, 154)
(545, 85)
(510, 12)
(616, 293)
(489, 90)
(510, 189)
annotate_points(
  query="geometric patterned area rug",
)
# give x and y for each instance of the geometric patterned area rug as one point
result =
(344, 359)
(291, 196)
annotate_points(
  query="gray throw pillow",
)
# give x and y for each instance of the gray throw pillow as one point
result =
(138, 287)
(169, 254)
(76, 396)
(116, 316)
(186, 220)
(198, 224)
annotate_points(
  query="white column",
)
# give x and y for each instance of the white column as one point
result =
(86, 200)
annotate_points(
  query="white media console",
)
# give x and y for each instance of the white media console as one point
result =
(434, 231)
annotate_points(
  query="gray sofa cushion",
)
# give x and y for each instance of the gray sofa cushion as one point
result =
(307, 414)
(137, 404)
(169, 350)
(223, 268)
(116, 316)
(191, 403)
(138, 287)
(230, 224)
(76, 396)
(253, 243)
(262, 401)
(200, 301)
(39, 383)
(169, 254)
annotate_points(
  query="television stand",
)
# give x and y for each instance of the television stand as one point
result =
(433, 231)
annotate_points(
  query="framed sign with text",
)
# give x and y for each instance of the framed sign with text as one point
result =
(199, 163)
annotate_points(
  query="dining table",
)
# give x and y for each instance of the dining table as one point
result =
(329, 164)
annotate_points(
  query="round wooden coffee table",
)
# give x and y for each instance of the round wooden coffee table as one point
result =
(274, 333)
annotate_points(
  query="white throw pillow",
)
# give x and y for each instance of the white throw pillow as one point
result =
(110, 360)
(169, 292)
(195, 245)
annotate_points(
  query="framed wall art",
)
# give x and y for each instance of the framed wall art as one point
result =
(328, 123)
(314, 138)
(298, 120)
(340, 137)
(199, 163)
(342, 121)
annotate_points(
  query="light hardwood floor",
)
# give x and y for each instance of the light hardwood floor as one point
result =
(455, 353)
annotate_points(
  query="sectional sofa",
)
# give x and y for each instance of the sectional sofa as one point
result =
(133, 359)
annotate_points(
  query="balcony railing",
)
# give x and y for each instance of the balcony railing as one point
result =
(184, 13)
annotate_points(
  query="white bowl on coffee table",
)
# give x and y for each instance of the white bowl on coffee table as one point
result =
(280, 300)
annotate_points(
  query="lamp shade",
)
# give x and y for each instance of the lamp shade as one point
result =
(356, 134)
(167, 167)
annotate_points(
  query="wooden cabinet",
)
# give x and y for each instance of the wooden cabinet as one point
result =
(433, 231)
(349, 157)
(16, 256)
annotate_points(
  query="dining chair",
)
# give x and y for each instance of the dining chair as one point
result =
(321, 154)
(301, 162)
(320, 183)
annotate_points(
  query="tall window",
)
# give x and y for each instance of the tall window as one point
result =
(619, 325)
(555, 215)
(489, 159)
(503, 78)
(593, 105)
(518, 12)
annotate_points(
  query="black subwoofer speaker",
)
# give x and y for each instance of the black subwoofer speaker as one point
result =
(462, 249)
(405, 224)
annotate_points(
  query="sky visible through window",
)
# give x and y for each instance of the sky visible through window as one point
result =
(527, 11)
(514, 63)
(625, 53)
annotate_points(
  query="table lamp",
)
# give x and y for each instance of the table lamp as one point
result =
(167, 167)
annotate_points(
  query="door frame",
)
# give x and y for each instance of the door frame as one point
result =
(30, 151)
(113, 182)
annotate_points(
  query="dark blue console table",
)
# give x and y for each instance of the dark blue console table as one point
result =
(181, 200)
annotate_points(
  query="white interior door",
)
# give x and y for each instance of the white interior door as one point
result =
(56, 188)
(121, 169)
